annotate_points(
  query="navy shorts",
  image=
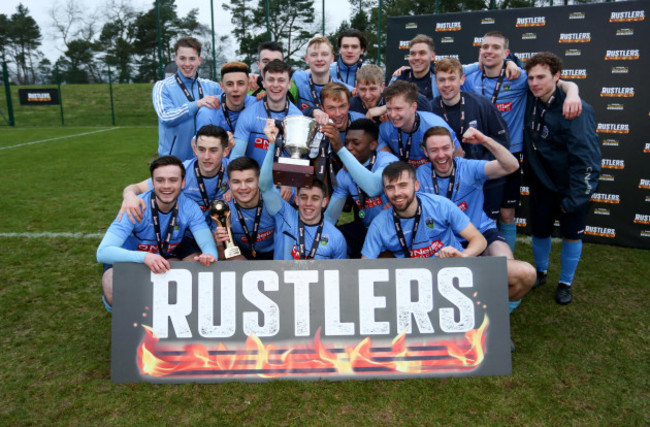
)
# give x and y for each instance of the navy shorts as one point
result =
(512, 188)
(491, 235)
(545, 209)
(493, 195)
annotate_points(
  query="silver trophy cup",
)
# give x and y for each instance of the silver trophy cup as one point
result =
(299, 132)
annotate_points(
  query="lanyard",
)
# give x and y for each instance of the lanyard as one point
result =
(252, 238)
(400, 233)
(314, 95)
(462, 116)
(187, 93)
(452, 180)
(497, 87)
(427, 90)
(536, 128)
(362, 194)
(356, 71)
(301, 237)
(268, 109)
(199, 181)
(224, 109)
(162, 245)
(405, 152)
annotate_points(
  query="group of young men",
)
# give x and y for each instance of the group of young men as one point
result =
(429, 165)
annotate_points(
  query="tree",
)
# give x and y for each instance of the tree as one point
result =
(242, 18)
(24, 36)
(116, 39)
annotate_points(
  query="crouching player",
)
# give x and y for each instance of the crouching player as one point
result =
(159, 237)
(461, 181)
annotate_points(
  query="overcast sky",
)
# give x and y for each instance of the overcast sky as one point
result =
(336, 11)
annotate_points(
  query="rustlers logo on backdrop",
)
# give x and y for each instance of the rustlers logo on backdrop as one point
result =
(618, 55)
(646, 148)
(521, 222)
(572, 52)
(625, 32)
(570, 73)
(574, 38)
(529, 36)
(627, 16)
(577, 15)
(448, 26)
(404, 44)
(487, 21)
(620, 70)
(641, 219)
(525, 56)
(524, 191)
(613, 128)
(644, 184)
(613, 164)
(531, 21)
(613, 199)
(478, 41)
(447, 40)
(622, 92)
(600, 231)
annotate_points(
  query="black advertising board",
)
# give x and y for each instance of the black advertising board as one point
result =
(38, 96)
(604, 50)
(310, 320)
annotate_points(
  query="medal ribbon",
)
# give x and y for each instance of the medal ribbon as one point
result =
(400, 233)
(163, 245)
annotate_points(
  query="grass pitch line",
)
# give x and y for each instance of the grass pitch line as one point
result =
(78, 235)
(54, 139)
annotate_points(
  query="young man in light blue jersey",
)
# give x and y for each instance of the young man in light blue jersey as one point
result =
(234, 83)
(351, 46)
(359, 178)
(177, 99)
(302, 233)
(418, 225)
(510, 99)
(461, 181)
(158, 237)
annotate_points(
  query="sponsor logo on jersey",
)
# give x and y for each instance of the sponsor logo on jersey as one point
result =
(411, 26)
(485, 21)
(644, 183)
(629, 54)
(613, 199)
(627, 16)
(417, 163)
(144, 247)
(260, 236)
(617, 91)
(429, 223)
(613, 164)
(404, 44)
(600, 231)
(571, 73)
(531, 21)
(574, 38)
(572, 52)
(463, 206)
(503, 106)
(371, 202)
(262, 143)
(601, 211)
(641, 219)
(606, 177)
(613, 128)
(577, 15)
(625, 32)
(529, 36)
(620, 70)
(524, 191)
(447, 40)
(610, 142)
(478, 41)
(448, 26)
(428, 251)
(615, 107)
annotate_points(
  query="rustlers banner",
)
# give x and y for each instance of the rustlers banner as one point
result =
(39, 96)
(334, 320)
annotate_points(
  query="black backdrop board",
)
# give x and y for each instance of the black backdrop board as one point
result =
(604, 50)
(309, 320)
(38, 96)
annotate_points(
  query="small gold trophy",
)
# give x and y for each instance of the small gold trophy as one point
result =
(220, 212)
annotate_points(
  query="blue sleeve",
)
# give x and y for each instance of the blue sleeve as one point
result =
(205, 117)
(373, 244)
(239, 149)
(470, 68)
(272, 200)
(169, 113)
(334, 209)
(110, 250)
(205, 240)
(370, 182)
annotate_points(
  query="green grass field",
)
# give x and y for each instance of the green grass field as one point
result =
(586, 363)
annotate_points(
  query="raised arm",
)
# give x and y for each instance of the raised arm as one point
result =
(504, 164)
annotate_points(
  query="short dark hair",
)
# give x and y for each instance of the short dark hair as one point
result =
(234, 67)
(499, 35)
(214, 131)
(551, 60)
(318, 184)
(421, 38)
(353, 32)
(190, 42)
(367, 126)
(243, 164)
(276, 66)
(402, 88)
(436, 131)
(270, 45)
(394, 170)
(167, 161)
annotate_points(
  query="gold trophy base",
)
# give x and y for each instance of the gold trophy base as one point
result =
(231, 252)
(293, 175)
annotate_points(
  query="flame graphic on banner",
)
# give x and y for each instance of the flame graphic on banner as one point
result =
(267, 361)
